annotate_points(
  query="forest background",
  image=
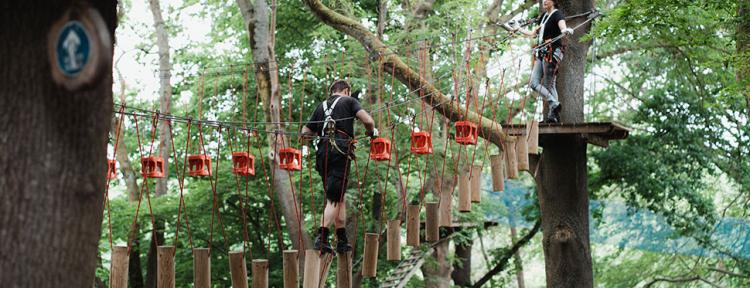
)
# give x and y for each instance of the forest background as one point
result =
(674, 71)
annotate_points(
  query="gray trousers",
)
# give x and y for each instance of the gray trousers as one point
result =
(544, 75)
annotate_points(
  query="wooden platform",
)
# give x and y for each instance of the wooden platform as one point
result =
(597, 133)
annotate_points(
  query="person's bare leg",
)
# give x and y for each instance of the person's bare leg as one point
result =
(340, 220)
(329, 213)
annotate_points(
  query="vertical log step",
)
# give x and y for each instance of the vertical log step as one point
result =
(202, 267)
(311, 277)
(291, 268)
(238, 269)
(533, 139)
(522, 152)
(118, 275)
(446, 206)
(393, 240)
(412, 225)
(260, 273)
(370, 264)
(344, 270)
(476, 183)
(165, 264)
(432, 223)
(464, 191)
(511, 160)
(498, 172)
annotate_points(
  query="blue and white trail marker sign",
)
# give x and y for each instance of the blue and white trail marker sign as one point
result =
(73, 48)
(79, 48)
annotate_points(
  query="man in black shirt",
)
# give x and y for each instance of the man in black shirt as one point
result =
(333, 121)
(549, 53)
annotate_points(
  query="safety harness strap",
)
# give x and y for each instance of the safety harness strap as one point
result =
(327, 111)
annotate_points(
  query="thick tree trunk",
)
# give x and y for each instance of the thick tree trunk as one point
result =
(165, 92)
(562, 178)
(53, 153)
(256, 18)
(438, 275)
(462, 267)
(121, 154)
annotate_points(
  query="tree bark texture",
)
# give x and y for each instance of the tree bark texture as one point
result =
(54, 145)
(562, 178)
(256, 18)
(439, 270)
(165, 92)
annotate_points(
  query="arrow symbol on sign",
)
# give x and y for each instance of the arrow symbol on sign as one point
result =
(71, 43)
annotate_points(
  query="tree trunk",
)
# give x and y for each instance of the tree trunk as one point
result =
(438, 275)
(121, 154)
(256, 18)
(54, 145)
(562, 178)
(135, 274)
(165, 92)
(151, 261)
(517, 256)
(462, 267)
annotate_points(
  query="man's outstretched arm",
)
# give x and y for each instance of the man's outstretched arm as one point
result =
(366, 119)
(307, 134)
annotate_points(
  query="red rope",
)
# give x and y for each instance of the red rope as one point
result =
(145, 179)
(118, 129)
(181, 184)
(246, 241)
(273, 202)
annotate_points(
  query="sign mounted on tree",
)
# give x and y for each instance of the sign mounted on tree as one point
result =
(79, 48)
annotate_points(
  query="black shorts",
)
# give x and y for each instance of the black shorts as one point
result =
(333, 168)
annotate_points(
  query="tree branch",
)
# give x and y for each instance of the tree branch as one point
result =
(394, 65)
(500, 266)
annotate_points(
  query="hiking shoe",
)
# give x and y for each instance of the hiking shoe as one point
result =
(342, 247)
(324, 247)
(554, 113)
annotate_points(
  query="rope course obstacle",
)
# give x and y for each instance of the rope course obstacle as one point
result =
(198, 162)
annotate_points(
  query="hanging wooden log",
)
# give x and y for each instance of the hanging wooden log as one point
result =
(394, 240)
(432, 223)
(326, 259)
(446, 204)
(476, 183)
(238, 269)
(511, 160)
(522, 154)
(291, 268)
(260, 273)
(202, 267)
(165, 264)
(497, 163)
(344, 270)
(464, 191)
(311, 278)
(533, 136)
(370, 264)
(118, 271)
(412, 225)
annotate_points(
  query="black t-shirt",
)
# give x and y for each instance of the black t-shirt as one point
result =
(551, 28)
(344, 115)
